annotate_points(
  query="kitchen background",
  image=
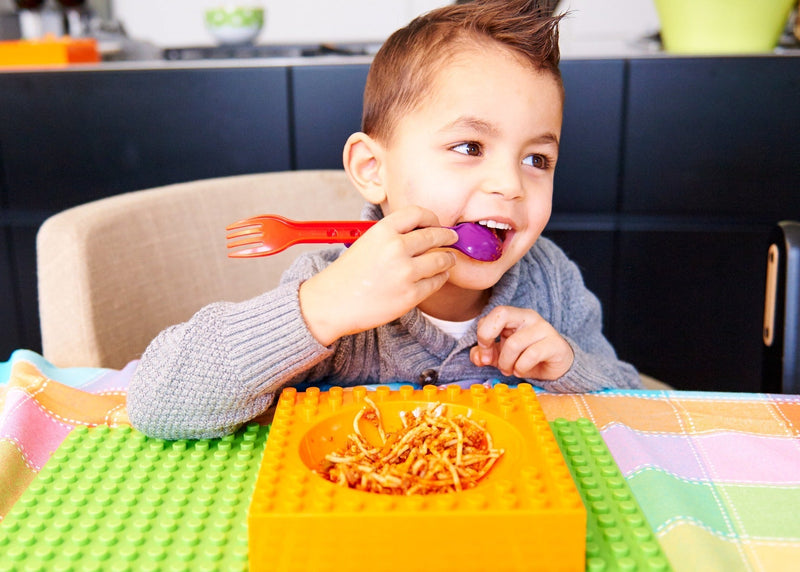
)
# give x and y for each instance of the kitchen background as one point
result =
(663, 172)
(594, 28)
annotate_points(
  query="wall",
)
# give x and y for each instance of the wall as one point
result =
(592, 27)
(179, 23)
(595, 28)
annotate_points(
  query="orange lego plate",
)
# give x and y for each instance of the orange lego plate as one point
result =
(525, 514)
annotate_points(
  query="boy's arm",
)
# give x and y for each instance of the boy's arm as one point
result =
(595, 371)
(578, 317)
(222, 368)
(389, 270)
(206, 377)
(562, 348)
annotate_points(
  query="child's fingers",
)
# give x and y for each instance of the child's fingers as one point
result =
(531, 357)
(433, 263)
(427, 286)
(500, 319)
(420, 230)
(428, 273)
(481, 356)
(526, 361)
(409, 218)
(520, 342)
(424, 239)
(515, 345)
(547, 358)
(529, 347)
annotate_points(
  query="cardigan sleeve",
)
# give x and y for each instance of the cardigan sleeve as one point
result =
(576, 314)
(207, 376)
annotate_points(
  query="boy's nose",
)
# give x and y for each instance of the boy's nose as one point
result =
(504, 180)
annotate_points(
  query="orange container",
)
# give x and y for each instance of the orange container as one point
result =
(525, 514)
(49, 51)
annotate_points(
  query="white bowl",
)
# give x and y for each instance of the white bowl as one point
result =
(231, 25)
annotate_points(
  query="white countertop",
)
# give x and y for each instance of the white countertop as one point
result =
(609, 53)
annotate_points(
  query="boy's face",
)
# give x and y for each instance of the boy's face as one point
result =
(482, 146)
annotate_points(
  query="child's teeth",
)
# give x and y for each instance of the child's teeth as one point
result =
(495, 224)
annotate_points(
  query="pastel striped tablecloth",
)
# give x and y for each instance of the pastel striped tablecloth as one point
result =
(717, 474)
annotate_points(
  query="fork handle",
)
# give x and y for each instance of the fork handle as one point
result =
(331, 231)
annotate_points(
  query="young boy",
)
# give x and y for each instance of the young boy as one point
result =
(462, 119)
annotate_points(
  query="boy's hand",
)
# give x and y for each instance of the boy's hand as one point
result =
(389, 270)
(520, 342)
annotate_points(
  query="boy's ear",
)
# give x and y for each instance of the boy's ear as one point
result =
(362, 158)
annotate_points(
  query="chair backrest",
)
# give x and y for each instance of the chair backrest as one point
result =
(781, 331)
(114, 272)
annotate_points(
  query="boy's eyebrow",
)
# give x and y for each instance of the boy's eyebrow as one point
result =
(548, 137)
(472, 123)
(482, 126)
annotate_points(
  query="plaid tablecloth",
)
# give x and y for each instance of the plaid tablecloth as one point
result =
(717, 474)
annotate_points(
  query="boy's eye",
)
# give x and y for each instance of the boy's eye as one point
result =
(537, 161)
(469, 148)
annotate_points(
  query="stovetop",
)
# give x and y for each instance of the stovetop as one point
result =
(267, 51)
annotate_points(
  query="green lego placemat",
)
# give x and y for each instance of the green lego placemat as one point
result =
(618, 536)
(112, 499)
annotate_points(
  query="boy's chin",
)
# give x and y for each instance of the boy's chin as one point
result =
(474, 275)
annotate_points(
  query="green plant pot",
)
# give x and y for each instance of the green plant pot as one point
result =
(722, 26)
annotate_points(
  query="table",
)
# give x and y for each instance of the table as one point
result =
(716, 474)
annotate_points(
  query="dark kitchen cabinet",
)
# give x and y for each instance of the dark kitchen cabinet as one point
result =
(23, 239)
(587, 172)
(9, 317)
(689, 302)
(711, 162)
(72, 137)
(327, 109)
(712, 137)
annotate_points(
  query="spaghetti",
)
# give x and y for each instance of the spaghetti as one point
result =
(430, 453)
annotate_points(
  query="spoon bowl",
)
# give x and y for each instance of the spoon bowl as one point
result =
(478, 242)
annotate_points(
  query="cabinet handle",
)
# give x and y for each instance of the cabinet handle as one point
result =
(772, 291)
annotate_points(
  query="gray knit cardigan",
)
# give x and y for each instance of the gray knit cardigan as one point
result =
(207, 376)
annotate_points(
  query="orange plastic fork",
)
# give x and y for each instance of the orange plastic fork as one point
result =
(269, 234)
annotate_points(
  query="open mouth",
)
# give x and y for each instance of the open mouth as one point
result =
(500, 229)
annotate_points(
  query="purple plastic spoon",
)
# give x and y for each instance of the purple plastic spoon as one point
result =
(269, 234)
(477, 241)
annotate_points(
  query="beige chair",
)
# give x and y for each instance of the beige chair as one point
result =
(114, 272)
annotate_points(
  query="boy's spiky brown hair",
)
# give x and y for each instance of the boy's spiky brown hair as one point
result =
(403, 70)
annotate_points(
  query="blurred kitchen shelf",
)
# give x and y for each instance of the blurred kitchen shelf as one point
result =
(268, 51)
